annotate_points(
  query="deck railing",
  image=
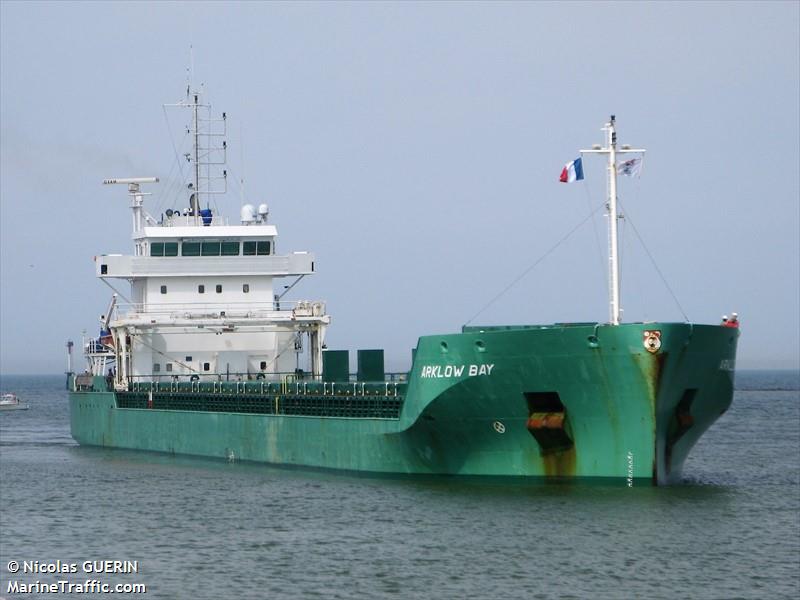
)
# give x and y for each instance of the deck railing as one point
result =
(269, 383)
(220, 310)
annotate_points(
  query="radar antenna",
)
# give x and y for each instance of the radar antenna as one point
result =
(137, 196)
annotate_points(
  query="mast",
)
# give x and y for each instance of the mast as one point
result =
(611, 151)
(195, 197)
(209, 151)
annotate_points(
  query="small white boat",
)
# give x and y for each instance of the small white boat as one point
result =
(12, 402)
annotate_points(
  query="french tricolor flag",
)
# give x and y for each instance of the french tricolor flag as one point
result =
(573, 171)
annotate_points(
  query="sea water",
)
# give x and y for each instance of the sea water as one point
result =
(194, 528)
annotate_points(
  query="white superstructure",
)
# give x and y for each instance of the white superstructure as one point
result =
(203, 302)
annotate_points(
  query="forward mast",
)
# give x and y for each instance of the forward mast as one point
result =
(611, 151)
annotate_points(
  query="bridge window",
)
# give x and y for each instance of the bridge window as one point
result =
(163, 289)
(246, 288)
(219, 288)
(201, 289)
(230, 248)
(210, 248)
(164, 249)
(156, 368)
(206, 366)
(190, 249)
(169, 367)
(256, 248)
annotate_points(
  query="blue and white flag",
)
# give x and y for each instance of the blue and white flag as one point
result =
(631, 168)
(572, 171)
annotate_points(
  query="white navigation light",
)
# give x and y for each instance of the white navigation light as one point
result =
(248, 213)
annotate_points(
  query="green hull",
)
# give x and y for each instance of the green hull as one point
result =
(557, 401)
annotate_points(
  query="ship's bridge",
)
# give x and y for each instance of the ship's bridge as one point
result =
(188, 251)
(137, 267)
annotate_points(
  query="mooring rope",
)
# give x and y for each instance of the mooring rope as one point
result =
(531, 267)
(653, 260)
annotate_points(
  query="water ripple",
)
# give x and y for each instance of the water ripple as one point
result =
(209, 529)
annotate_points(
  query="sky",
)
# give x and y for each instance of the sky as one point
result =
(415, 148)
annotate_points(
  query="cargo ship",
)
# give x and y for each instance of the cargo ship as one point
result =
(204, 356)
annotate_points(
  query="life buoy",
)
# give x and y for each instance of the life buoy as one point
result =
(194, 378)
(260, 376)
